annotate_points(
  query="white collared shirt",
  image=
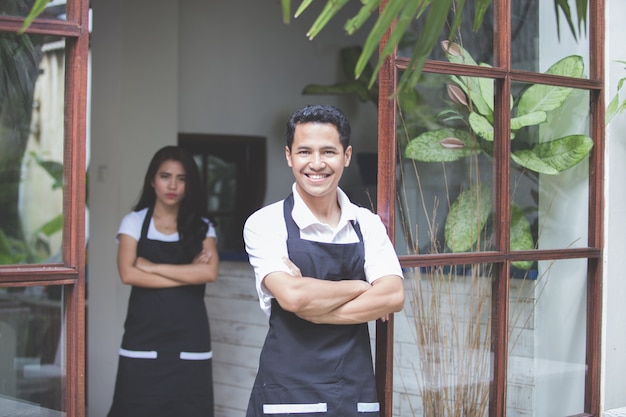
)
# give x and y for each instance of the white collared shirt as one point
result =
(265, 235)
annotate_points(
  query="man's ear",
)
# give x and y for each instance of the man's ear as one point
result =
(347, 156)
(288, 155)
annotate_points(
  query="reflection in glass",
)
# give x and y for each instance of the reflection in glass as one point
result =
(547, 333)
(539, 38)
(31, 148)
(32, 350)
(55, 9)
(445, 143)
(443, 342)
(549, 168)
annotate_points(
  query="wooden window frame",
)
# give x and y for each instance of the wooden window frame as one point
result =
(503, 75)
(71, 272)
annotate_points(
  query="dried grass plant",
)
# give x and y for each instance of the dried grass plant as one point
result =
(450, 318)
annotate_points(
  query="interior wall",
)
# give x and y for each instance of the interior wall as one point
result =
(242, 71)
(163, 67)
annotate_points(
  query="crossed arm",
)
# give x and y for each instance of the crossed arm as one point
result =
(140, 272)
(336, 302)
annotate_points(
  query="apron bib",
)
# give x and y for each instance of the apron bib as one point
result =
(316, 369)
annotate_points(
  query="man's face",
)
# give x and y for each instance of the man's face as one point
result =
(317, 159)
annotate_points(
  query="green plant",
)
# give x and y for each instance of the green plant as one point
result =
(615, 107)
(401, 14)
(472, 107)
(34, 248)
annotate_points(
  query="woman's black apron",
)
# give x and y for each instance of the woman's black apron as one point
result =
(316, 369)
(165, 361)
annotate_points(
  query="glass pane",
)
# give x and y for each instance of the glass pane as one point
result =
(445, 166)
(32, 351)
(31, 148)
(479, 44)
(550, 167)
(55, 9)
(540, 38)
(547, 323)
(442, 342)
(221, 185)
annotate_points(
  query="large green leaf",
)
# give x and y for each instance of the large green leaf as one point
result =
(481, 126)
(555, 156)
(479, 90)
(443, 145)
(541, 97)
(467, 218)
(521, 236)
(529, 119)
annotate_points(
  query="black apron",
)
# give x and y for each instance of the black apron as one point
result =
(165, 366)
(316, 369)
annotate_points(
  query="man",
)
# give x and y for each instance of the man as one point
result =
(324, 268)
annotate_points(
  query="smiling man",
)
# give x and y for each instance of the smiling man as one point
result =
(324, 267)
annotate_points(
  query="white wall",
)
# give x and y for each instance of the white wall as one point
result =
(614, 343)
(164, 67)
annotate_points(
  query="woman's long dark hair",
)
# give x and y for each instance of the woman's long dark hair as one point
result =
(192, 228)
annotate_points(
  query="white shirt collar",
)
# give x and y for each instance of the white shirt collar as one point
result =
(304, 218)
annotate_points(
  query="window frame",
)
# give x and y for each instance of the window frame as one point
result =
(71, 272)
(503, 75)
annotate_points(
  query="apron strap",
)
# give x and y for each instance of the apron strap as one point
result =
(293, 231)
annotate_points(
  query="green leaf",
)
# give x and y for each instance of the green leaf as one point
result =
(611, 110)
(479, 14)
(38, 7)
(541, 97)
(467, 218)
(383, 23)
(303, 6)
(330, 10)
(407, 15)
(521, 236)
(51, 227)
(286, 7)
(555, 156)
(12, 251)
(369, 7)
(434, 22)
(530, 119)
(481, 126)
(55, 169)
(443, 145)
(479, 90)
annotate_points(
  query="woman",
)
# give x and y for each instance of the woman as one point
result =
(167, 253)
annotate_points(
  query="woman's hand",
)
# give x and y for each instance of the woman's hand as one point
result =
(145, 265)
(202, 258)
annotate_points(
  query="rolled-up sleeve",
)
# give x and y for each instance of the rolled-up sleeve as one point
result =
(380, 255)
(265, 236)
